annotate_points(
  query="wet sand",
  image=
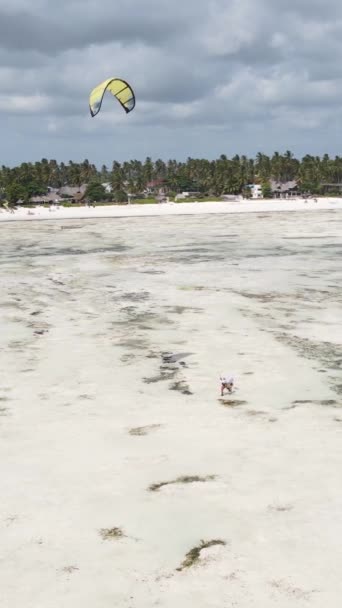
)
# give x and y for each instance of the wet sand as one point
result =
(115, 465)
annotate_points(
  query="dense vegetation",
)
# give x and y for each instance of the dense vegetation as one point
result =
(212, 178)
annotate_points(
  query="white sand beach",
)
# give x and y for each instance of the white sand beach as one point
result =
(238, 206)
(115, 465)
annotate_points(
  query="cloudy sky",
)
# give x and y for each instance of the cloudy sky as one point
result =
(210, 77)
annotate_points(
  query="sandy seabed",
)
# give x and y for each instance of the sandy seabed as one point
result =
(126, 481)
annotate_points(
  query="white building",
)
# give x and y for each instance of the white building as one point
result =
(256, 191)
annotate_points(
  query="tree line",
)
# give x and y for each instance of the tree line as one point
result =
(210, 177)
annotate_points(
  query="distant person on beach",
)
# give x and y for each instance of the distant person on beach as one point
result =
(227, 382)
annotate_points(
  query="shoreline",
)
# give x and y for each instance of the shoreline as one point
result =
(167, 209)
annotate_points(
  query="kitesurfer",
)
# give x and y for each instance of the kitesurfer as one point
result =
(227, 382)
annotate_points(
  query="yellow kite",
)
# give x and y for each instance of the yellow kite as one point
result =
(118, 88)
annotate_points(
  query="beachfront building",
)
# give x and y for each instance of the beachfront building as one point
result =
(284, 189)
(50, 198)
(72, 193)
(331, 188)
(156, 186)
(58, 195)
(162, 198)
(256, 190)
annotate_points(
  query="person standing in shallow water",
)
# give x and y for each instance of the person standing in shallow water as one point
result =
(227, 382)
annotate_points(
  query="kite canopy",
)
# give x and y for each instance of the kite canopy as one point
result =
(118, 88)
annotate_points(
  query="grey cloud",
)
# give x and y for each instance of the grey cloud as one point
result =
(21, 30)
(13, 58)
(309, 9)
(211, 71)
